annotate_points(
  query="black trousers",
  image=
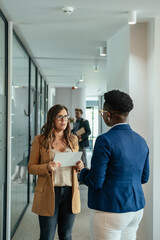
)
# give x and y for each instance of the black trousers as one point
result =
(63, 216)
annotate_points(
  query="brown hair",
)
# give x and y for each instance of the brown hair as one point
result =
(47, 133)
(79, 110)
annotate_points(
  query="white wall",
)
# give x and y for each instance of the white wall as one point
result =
(71, 98)
(138, 77)
(143, 84)
(118, 47)
(118, 60)
(79, 100)
(149, 120)
(138, 90)
(145, 88)
(64, 96)
(154, 81)
(51, 96)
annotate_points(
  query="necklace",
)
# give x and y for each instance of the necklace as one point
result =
(58, 141)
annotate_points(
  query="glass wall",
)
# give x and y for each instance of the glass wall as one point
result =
(24, 118)
(33, 103)
(2, 124)
(38, 104)
(93, 118)
(42, 102)
(20, 132)
(46, 98)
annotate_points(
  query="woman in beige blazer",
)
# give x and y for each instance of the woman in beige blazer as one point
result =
(57, 197)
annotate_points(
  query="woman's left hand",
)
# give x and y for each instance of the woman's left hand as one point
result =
(79, 165)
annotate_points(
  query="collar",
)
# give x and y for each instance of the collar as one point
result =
(78, 120)
(121, 126)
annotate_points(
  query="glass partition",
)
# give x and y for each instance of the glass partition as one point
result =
(2, 124)
(33, 102)
(20, 132)
(93, 118)
(38, 104)
(32, 179)
(42, 102)
(45, 105)
(46, 101)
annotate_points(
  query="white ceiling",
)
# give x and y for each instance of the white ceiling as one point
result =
(66, 47)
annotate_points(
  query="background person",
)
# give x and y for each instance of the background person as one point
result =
(83, 139)
(119, 167)
(57, 197)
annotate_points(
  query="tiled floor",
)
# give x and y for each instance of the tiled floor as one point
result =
(29, 228)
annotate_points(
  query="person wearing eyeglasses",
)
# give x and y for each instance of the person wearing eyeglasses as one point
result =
(57, 197)
(119, 167)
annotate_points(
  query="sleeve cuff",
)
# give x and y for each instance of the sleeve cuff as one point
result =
(83, 173)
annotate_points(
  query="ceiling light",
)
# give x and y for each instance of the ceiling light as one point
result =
(96, 68)
(132, 17)
(81, 79)
(68, 10)
(103, 51)
(76, 85)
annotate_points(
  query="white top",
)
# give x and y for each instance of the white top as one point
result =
(62, 175)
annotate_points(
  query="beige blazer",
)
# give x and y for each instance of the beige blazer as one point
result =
(44, 197)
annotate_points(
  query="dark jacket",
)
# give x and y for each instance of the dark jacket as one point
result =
(85, 124)
(119, 167)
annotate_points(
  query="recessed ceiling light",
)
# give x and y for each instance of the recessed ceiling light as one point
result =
(96, 68)
(81, 79)
(103, 51)
(132, 17)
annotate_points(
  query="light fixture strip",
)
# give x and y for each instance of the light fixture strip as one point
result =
(103, 51)
(132, 17)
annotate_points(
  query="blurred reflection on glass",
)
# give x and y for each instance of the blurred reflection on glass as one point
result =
(92, 117)
(32, 119)
(39, 104)
(20, 127)
(42, 104)
(2, 122)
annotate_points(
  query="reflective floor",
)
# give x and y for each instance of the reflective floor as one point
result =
(29, 228)
(18, 200)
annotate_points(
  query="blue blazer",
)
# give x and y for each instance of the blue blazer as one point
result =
(119, 167)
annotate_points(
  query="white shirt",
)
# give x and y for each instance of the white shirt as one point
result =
(62, 175)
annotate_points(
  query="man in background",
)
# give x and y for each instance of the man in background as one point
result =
(82, 129)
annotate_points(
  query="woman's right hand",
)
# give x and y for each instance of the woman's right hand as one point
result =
(52, 166)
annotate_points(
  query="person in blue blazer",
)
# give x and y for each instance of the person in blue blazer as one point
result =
(119, 167)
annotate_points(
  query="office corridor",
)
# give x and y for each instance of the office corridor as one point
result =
(50, 56)
(29, 228)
